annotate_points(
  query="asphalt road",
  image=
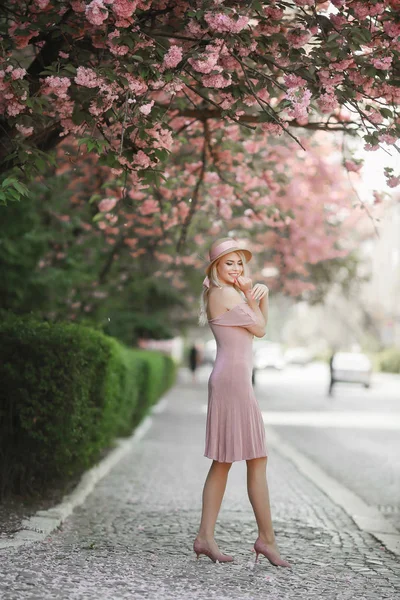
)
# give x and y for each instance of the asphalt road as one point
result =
(353, 436)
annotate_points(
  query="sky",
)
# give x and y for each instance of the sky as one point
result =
(372, 174)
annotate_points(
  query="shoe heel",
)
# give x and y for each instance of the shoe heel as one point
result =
(257, 553)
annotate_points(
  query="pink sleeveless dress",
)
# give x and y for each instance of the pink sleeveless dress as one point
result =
(235, 428)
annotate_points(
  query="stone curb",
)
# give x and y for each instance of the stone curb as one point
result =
(44, 522)
(367, 518)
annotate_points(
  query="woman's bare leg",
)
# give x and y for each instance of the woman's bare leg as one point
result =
(213, 494)
(257, 488)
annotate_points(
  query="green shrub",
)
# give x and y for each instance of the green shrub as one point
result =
(389, 360)
(66, 392)
(158, 375)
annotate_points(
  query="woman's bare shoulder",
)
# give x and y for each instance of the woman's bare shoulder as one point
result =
(224, 298)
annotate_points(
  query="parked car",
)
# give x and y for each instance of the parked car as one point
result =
(351, 367)
(298, 356)
(269, 355)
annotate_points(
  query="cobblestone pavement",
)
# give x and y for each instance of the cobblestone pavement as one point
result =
(133, 536)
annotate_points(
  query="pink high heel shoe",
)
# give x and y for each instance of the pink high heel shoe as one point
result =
(201, 548)
(262, 548)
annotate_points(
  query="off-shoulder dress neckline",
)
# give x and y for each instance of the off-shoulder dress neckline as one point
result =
(227, 311)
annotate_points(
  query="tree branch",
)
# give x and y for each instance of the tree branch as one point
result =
(203, 114)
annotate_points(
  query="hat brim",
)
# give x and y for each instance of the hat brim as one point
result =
(246, 252)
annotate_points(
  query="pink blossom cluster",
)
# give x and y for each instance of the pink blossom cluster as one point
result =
(18, 73)
(145, 109)
(338, 20)
(293, 81)
(21, 40)
(13, 107)
(114, 47)
(227, 100)
(108, 94)
(42, 4)
(163, 257)
(124, 8)
(136, 84)
(173, 57)
(374, 116)
(174, 86)
(11, 95)
(149, 207)
(249, 100)
(247, 50)
(216, 81)
(183, 210)
(87, 77)
(273, 12)
(272, 128)
(383, 63)
(300, 101)
(344, 64)
(298, 37)
(353, 166)
(78, 6)
(56, 85)
(387, 138)
(393, 181)
(269, 28)
(206, 61)
(392, 28)
(131, 242)
(329, 80)
(222, 23)
(367, 9)
(160, 137)
(96, 12)
(141, 159)
(107, 204)
(328, 102)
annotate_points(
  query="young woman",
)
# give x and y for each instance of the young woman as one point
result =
(235, 312)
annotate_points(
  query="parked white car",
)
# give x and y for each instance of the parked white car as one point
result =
(351, 367)
(268, 355)
(298, 356)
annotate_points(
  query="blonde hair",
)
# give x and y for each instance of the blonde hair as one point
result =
(214, 280)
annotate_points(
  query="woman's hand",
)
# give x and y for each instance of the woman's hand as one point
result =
(259, 291)
(244, 284)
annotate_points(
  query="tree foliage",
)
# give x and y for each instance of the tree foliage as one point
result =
(118, 73)
(174, 120)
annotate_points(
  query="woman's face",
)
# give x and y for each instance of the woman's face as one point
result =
(229, 268)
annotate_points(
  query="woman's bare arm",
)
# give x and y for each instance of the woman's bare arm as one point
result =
(261, 313)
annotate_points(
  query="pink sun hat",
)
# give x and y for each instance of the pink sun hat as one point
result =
(222, 249)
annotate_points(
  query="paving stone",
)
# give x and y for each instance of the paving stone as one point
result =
(133, 536)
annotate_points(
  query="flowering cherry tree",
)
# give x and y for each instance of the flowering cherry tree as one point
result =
(295, 215)
(195, 111)
(116, 73)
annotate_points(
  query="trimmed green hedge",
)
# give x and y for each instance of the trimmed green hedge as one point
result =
(66, 392)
